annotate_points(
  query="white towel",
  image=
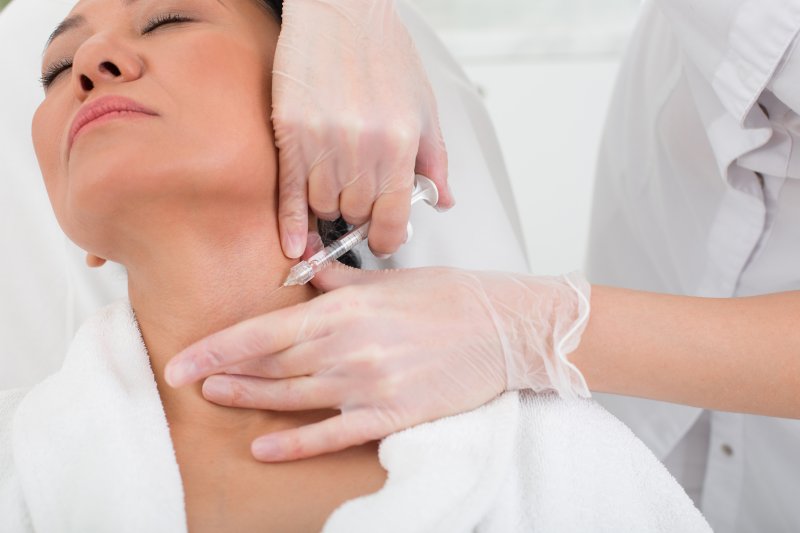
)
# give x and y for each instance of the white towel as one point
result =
(91, 445)
(522, 463)
(89, 450)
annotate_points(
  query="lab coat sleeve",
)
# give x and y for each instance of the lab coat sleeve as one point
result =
(787, 79)
(737, 45)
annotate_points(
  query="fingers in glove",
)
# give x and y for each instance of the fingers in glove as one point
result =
(357, 199)
(388, 231)
(292, 202)
(338, 275)
(432, 163)
(324, 189)
(332, 435)
(256, 337)
(293, 394)
(301, 360)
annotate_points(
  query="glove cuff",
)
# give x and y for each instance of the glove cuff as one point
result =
(567, 380)
(544, 327)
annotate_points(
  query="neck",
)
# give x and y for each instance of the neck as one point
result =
(199, 283)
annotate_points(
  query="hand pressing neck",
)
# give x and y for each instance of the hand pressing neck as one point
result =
(195, 278)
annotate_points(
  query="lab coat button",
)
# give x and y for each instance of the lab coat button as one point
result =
(727, 450)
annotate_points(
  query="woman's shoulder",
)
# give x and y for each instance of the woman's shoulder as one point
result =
(114, 316)
(576, 467)
(20, 405)
(9, 401)
(117, 315)
(13, 511)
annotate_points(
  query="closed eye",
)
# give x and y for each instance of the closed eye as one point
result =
(163, 20)
(53, 71)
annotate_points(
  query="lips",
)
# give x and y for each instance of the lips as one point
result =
(105, 108)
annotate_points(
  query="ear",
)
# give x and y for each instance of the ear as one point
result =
(92, 261)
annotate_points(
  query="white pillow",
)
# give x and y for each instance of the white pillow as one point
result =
(40, 303)
(46, 291)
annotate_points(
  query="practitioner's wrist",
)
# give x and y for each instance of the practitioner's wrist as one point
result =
(541, 328)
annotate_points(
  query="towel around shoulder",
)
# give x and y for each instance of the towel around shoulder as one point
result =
(89, 449)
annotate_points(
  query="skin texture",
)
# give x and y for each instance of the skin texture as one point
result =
(186, 200)
(731, 354)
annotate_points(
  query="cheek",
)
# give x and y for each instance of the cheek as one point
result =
(46, 129)
(224, 119)
(231, 87)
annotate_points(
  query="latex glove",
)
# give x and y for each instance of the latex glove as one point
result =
(355, 118)
(392, 349)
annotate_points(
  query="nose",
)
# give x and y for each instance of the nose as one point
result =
(103, 60)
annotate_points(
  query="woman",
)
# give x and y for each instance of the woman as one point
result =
(152, 157)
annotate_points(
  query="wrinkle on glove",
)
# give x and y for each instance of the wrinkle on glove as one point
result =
(539, 322)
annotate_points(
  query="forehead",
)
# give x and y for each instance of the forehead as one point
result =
(77, 18)
(83, 10)
(82, 7)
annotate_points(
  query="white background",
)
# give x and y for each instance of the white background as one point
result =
(547, 69)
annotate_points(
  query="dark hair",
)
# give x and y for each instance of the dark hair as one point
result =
(329, 231)
(276, 6)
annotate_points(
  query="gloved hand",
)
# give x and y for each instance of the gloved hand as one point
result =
(392, 349)
(355, 118)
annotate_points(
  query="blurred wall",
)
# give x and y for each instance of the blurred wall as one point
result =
(547, 70)
(549, 117)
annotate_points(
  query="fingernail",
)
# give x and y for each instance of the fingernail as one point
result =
(266, 449)
(442, 209)
(293, 246)
(382, 256)
(216, 388)
(179, 373)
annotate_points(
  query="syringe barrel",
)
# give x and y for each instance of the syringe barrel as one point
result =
(338, 248)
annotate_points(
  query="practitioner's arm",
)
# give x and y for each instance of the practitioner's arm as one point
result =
(395, 349)
(354, 117)
(736, 354)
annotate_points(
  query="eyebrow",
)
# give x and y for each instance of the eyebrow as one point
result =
(76, 21)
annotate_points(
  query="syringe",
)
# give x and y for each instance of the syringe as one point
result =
(304, 271)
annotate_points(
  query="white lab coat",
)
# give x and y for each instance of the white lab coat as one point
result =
(46, 291)
(698, 193)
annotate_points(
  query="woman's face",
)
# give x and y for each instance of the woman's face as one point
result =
(154, 107)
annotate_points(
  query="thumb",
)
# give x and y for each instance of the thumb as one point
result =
(339, 275)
